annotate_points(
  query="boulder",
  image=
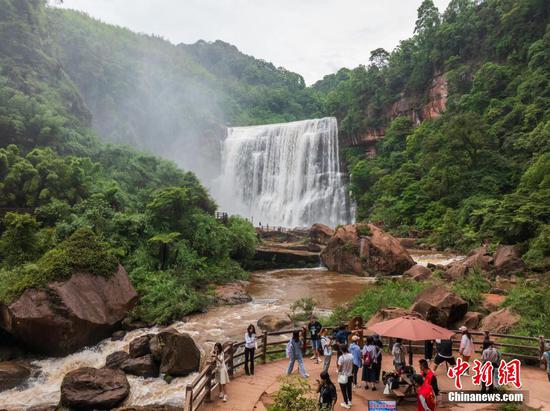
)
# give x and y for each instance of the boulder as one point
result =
(66, 316)
(140, 346)
(492, 302)
(116, 359)
(91, 388)
(500, 322)
(418, 273)
(365, 249)
(471, 320)
(507, 260)
(320, 234)
(477, 259)
(13, 374)
(178, 353)
(440, 306)
(142, 367)
(118, 335)
(232, 294)
(389, 313)
(271, 323)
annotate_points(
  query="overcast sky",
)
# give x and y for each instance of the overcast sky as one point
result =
(310, 37)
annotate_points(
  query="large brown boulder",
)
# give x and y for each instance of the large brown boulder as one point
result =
(418, 273)
(142, 367)
(440, 306)
(477, 259)
(365, 249)
(272, 323)
(116, 359)
(389, 313)
(140, 346)
(94, 389)
(177, 352)
(500, 322)
(320, 234)
(507, 260)
(471, 320)
(69, 315)
(13, 374)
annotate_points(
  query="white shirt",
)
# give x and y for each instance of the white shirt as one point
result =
(466, 346)
(325, 343)
(345, 364)
(249, 340)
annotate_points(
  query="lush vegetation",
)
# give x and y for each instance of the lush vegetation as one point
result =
(295, 394)
(531, 300)
(480, 171)
(471, 287)
(71, 204)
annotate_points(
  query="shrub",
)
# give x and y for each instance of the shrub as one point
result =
(471, 287)
(302, 309)
(294, 395)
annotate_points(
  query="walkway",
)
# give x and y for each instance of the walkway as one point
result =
(248, 393)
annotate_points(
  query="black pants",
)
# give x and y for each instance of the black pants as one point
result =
(378, 366)
(354, 375)
(249, 359)
(346, 390)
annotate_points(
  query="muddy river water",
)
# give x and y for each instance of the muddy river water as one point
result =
(272, 293)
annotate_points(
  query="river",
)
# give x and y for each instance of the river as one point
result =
(272, 293)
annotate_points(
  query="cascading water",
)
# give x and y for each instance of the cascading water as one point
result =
(284, 174)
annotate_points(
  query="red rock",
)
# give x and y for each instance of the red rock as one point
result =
(71, 314)
(178, 353)
(471, 320)
(320, 234)
(273, 323)
(440, 306)
(507, 260)
(492, 302)
(140, 346)
(478, 259)
(141, 366)
(13, 374)
(500, 322)
(92, 388)
(389, 313)
(418, 273)
(116, 359)
(374, 252)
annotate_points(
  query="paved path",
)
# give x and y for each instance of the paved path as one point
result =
(248, 393)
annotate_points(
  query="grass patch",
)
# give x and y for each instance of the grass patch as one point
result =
(471, 287)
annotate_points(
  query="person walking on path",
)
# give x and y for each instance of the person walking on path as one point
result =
(380, 346)
(370, 355)
(314, 328)
(355, 351)
(398, 354)
(425, 394)
(294, 353)
(326, 344)
(546, 357)
(466, 349)
(327, 393)
(491, 354)
(221, 375)
(250, 346)
(444, 353)
(345, 375)
(428, 350)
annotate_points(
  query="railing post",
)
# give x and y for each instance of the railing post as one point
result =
(264, 348)
(230, 360)
(188, 397)
(541, 348)
(208, 386)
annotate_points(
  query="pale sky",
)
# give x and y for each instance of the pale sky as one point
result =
(310, 37)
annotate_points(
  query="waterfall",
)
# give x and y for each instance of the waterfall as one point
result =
(284, 174)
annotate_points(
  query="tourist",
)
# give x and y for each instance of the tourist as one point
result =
(466, 349)
(327, 393)
(370, 354)
(221, 375)
(425, 394)
(250, 346)
(428, 375)
(314, 327)
(491, 354)
(341, 337)
(428, 350)
(380, 345)
(345, 375)
(355, 351)
(444, 353)
(326, 344)
(546, 357)
(398, 354)
(294, 353)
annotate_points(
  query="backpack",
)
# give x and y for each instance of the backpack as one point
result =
(368, 358)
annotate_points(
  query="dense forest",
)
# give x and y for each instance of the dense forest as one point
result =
(478, 173)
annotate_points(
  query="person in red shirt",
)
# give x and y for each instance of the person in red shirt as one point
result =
(425, 394)
(428, 375)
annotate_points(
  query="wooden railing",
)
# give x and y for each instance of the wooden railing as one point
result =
(200, 390)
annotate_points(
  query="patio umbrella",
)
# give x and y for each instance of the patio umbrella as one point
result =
(412, 329)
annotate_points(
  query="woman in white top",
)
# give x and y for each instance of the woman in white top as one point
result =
(221, 375)
(345, 375)
(249, 349)
(466, 349)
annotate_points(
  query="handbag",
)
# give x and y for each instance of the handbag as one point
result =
(387, 389)
(342, 378)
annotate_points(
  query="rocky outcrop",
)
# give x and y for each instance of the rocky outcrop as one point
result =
(116, 359)
(13, 374)
(94, 389)
(320, 234)
(272, 323)
(69, 315)
(492, 302)
(418, 273)
(478, 259)
(140, 346)
(500, 322)
(177, 352)
(143, 366)
(389, 313)
(365, 249)
(471, 320)
(232, 294)
(507, 260)
(440, 306)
